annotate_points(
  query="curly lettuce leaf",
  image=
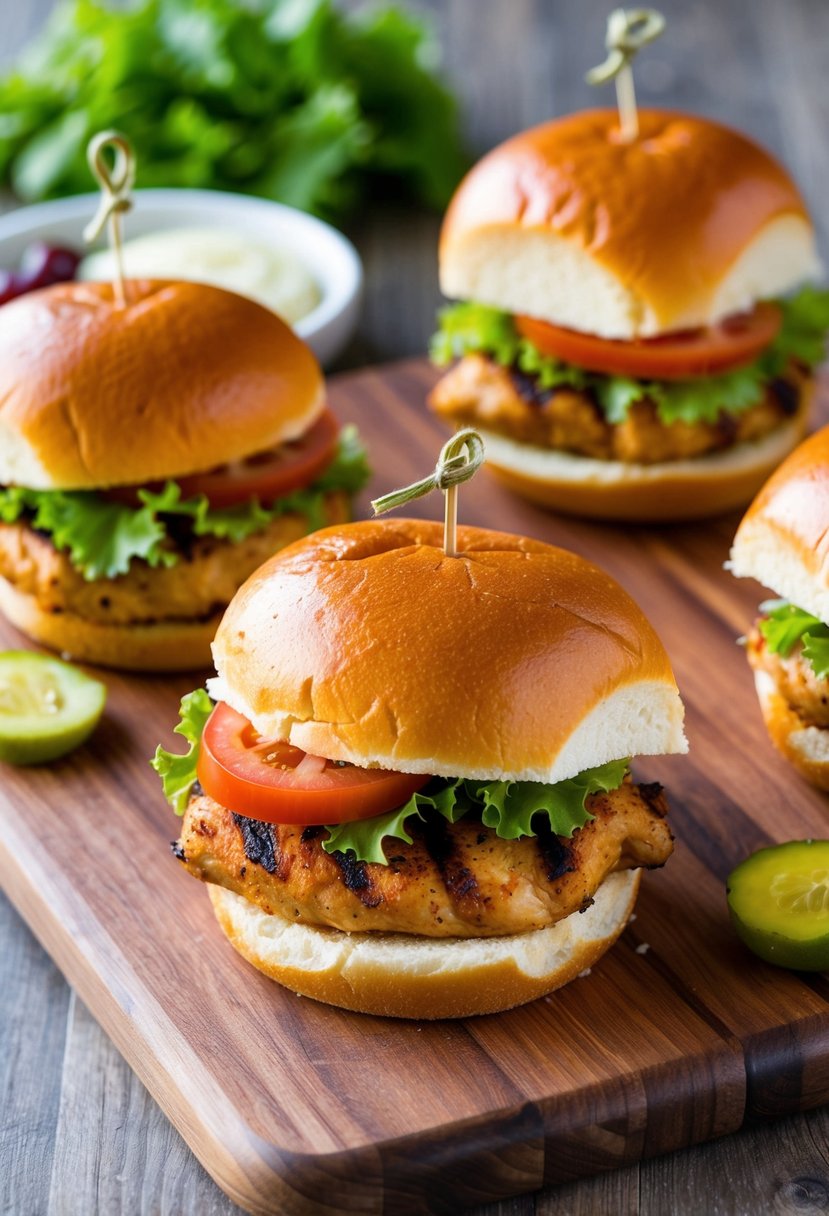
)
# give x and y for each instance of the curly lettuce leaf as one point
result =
(102, 538)
(176, 770)
(349, 470)
(816, 650)
(785, 626)
(511, 806)
(365, 837)
(508, 807)
(469, 328)
(802, 335)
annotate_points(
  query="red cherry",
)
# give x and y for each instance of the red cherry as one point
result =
(41, 265)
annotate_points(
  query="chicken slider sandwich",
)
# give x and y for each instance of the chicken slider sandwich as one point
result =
(626, 337)
(153, 452)
(412, 797)
(782, 543)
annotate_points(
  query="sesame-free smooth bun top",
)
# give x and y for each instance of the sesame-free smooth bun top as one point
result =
(686, 224)
(182, 378)
(783, 540)
(514, 659)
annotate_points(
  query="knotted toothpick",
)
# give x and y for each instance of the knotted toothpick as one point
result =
(459, 460)
(628, 30)
(115, 183)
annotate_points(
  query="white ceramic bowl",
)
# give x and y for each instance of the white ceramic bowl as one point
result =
(332, 260)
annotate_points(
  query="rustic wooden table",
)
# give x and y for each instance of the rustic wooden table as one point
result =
(78, 1133)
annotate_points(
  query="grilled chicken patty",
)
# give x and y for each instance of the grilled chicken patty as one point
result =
(454, 880)
(480, 392)
(204, 580)
(794, 678)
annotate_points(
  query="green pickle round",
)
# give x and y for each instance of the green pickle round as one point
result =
(779, 904)
(47, 707)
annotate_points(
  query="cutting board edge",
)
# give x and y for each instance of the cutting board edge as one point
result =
(526, 1146)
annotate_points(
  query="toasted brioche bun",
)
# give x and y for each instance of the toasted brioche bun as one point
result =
(804, 746)
(686, 224)
(183, 378)
(783, 540)
(514, 659)
(399, 976)
(162, 646)
(612, 489)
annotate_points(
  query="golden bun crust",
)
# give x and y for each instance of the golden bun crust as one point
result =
(696, 488)
(514, 659)
(395, 975)
(687, 223)
(182, 379)
(163, 646)
(806, 747)
(783, 540)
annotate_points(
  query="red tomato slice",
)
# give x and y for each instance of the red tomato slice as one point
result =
(681, 356)
(269, 475)
(278, 783)
(265, 475)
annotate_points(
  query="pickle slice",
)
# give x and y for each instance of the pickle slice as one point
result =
(779, 904)
(47, 707)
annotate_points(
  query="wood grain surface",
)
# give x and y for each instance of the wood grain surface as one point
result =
(678, 1036)
(78, 1132)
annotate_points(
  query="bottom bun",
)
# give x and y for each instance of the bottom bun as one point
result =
(613, 489)
(398, 976)
(806, 747)
(163, 646)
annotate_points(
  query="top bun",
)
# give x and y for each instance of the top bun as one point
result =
(565, 222)
(183, 378)
(512, 660)
(783, 540)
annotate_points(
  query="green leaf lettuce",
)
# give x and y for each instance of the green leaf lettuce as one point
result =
(176, 770)
(784, 626)
(510, 808)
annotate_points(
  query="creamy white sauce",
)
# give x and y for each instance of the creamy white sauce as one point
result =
(273, 277)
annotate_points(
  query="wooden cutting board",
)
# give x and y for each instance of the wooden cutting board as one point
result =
(678, 1035)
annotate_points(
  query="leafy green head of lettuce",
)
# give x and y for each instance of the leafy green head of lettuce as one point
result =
(102, 538)
(294, 100)
(469, 328)
(785, 626)
(511, 808)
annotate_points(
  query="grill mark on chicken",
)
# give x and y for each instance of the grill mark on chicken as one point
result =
(555, 852)
(258, 842)
(652, 794)
(458, 879)
(478, 391)
(427, 889)
(787, 394)
(529, 387)
(355, 877)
